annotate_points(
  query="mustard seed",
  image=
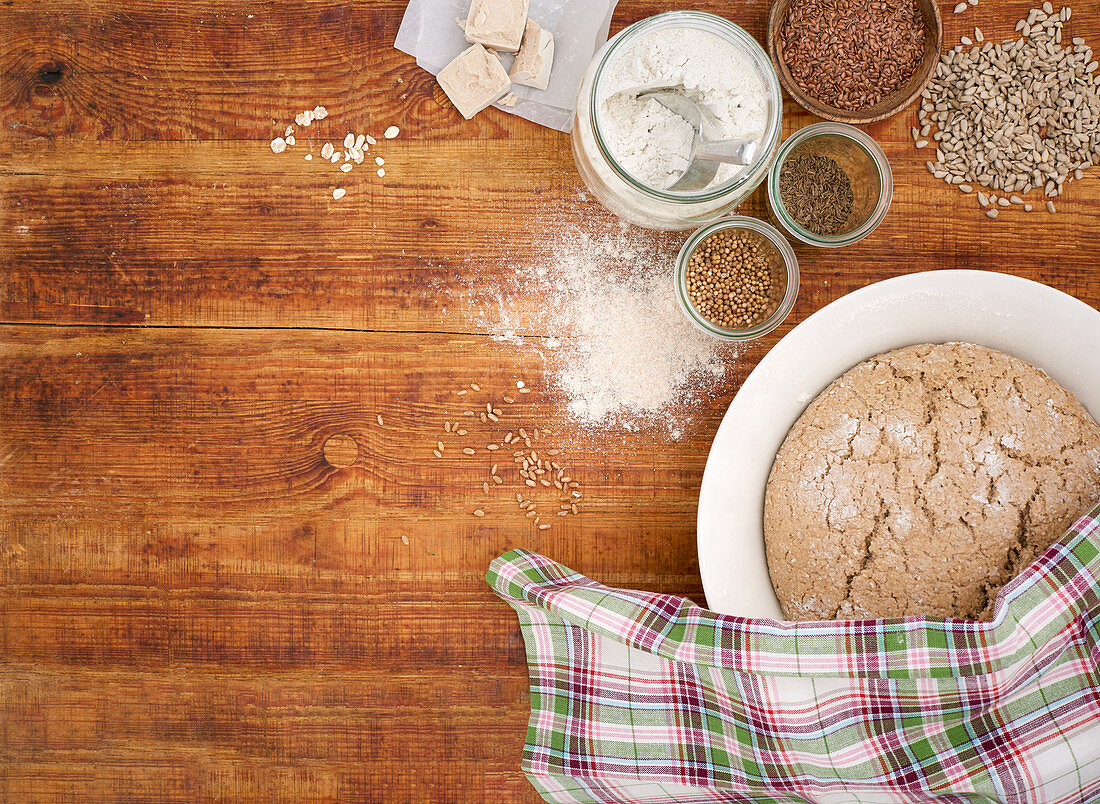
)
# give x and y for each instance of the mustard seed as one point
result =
(733, 279)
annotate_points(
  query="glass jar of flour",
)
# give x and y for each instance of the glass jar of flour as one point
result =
(630, 150)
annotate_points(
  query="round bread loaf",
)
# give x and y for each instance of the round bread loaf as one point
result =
(923, 480)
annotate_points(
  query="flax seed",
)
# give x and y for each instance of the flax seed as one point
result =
(479, 512)
(462, 432)
(544, 527)
(475, 386)
(468, 451)
(463, 392)
(437, 453)
(509, 399)
(493, 417)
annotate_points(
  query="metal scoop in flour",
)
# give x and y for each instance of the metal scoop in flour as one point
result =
(706, 155)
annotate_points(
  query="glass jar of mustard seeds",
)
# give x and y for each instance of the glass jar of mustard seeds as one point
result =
(648, 46)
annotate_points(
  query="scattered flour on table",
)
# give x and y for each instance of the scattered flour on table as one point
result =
(618, 347)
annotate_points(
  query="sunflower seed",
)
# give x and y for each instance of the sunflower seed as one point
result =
(991, 213)
(960, 8)
(1050, 207)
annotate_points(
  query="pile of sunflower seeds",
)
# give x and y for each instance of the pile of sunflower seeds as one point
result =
(1015, 116)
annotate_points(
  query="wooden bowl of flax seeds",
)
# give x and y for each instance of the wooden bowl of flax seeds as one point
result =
(853, 61)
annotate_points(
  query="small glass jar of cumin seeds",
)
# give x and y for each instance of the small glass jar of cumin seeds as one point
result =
(736, 279)
(814, 158)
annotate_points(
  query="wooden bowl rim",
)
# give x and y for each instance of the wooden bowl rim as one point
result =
(841, 115)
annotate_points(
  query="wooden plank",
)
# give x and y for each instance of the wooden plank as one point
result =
(181, 215)
(310, 735)
(171, 458)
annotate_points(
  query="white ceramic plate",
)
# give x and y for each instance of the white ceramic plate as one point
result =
(1033, 322)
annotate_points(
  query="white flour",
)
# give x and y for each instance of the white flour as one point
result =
(618, 348)
(652, 143)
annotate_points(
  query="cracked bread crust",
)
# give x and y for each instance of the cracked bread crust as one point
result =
(923, 480)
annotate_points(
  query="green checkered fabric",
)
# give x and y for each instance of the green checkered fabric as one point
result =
(639, 697)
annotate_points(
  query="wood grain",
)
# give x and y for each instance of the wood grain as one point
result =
(221, 579)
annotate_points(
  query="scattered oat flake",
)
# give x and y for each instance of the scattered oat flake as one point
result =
(290, 140)
(359, 141)
(379, 161)
(346, 167)
(404, 539)
(289, 131)
(381, 173)
(339, 193)
(278, 145)
(334, 158)
(349, 140)
(320, 112)
(326, 150)
(371, 140)
(309, 157)
(391, 132)
(380, 424)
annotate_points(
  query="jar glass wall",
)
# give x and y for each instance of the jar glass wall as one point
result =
(655, 208)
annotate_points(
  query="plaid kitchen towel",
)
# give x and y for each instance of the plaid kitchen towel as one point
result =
(639, 697)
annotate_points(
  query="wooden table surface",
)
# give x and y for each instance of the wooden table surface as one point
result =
(200, 599)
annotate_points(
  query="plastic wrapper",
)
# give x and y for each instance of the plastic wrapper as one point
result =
(430, 34)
